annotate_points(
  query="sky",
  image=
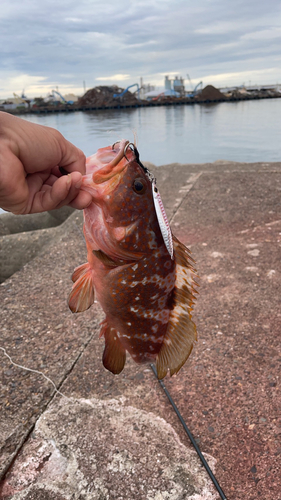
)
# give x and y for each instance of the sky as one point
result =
(74, 44)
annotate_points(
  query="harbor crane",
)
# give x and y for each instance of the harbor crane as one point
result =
(62, 98)
(126, 90)
(195, 90)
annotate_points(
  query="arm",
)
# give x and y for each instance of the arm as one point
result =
(30, 157)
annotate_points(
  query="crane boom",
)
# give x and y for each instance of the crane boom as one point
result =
(126, 90)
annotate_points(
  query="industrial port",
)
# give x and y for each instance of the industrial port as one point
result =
(174, 92)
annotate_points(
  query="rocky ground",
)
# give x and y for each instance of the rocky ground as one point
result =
(116, 437)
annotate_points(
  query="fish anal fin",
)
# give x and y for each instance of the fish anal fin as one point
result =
(114, 354)
(181, 331)
(82, 294)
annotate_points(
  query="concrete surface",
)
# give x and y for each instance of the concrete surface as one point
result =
(228, 392)
(122, 452)
(23, 237)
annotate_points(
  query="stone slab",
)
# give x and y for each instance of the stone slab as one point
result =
(13, 224)
(22, 237)
(89, 449)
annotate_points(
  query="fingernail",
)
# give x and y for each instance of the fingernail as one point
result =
(68, 180)
(78, 184)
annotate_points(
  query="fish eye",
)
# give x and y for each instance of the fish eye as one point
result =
(139, 186)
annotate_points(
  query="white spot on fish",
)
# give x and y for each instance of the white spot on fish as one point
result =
(154, 328)
(135, 267)
(156, 340)
(152, 243)
(130, 324)
(134, 283)
(161, 302)
(124, 282)
(134, 309)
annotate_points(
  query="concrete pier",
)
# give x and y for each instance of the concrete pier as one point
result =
(116, 437)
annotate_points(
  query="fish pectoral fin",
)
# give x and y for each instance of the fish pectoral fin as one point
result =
(177, 345)
(114, 354)
(82, 294)
(79, 271)
(106, 260)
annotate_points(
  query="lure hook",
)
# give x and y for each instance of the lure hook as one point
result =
(133, 148)
(116, 142)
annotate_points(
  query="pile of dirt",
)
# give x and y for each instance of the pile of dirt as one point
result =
(103, 96)
(210, 93)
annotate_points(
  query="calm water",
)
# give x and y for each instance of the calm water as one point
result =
(244, 131)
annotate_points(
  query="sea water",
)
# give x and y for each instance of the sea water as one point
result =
(243, 131)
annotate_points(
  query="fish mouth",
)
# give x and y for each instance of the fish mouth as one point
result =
(107, 165)
(122, 156)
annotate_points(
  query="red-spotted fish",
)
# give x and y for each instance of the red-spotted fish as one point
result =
(139, 272)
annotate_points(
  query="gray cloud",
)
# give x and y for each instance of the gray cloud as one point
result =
(74, 41)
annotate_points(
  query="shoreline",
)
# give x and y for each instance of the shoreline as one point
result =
(61, 108)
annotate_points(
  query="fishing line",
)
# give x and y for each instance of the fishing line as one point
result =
(200, 454)
(33, 371)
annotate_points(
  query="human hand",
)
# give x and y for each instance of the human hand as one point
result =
(30, 179)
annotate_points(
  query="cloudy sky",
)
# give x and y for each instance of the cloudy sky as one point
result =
(49, 44)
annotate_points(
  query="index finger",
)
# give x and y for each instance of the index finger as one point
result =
(72, 159)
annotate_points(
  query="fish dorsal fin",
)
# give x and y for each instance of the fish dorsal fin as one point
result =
(181, 331)
(82, 294)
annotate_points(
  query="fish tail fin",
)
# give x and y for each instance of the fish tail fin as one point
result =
(181, 331)
(82, 294)
(114, 354)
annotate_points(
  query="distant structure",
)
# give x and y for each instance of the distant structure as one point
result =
(177, 85)
(168, 83)
(172, 88)
(145, 88)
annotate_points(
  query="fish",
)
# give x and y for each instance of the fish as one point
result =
(140, 273)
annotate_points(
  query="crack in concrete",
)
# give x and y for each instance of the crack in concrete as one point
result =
(186, 188)
(45, 407)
